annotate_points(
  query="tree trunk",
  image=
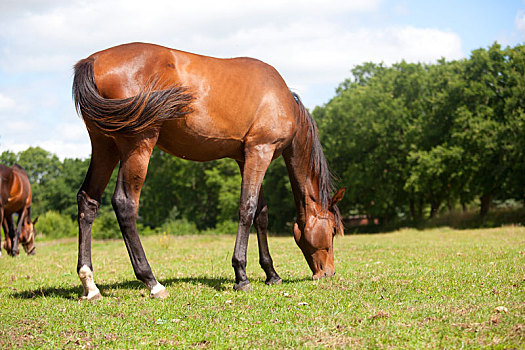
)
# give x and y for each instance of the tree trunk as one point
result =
(434, 207)
(486, 200)
(413, 210)
(420, 209)
(416, 211)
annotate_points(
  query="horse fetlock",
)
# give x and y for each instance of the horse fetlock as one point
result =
(91, 291)
(158, 292)
(273, 280)
(243, 286)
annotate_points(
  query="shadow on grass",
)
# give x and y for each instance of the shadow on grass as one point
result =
(73, 293)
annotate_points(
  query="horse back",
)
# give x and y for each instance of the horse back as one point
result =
(234, 100)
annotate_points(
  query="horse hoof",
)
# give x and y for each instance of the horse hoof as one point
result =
(162, 294)
(94, 297)
(274, 281)
(246, 287)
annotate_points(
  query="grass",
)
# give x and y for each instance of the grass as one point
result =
(438, 288)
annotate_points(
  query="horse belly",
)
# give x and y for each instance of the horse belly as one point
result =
(177, 139)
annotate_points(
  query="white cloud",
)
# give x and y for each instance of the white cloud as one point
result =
(6, 102)
(313, 44)
(519, 21)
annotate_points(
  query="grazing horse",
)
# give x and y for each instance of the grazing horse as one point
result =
(15, 197)
(136, 96)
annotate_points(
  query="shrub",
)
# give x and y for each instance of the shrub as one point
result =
(106, 225)
(56, 225)
(178, 227)
(226, 227)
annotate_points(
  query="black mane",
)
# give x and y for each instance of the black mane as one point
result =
(318, 163)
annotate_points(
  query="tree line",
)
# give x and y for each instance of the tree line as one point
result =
(406, 140)
(412, 138)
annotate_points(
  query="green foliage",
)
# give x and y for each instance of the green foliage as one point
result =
(226, 227)
(225, 180)
(178, 227)
(173, 182)
(409, 136)
(279, 198)
(106, 225)
(55, 225)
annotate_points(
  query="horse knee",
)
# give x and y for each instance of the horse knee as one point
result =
(87, 208)
(246, 214)
(124, 207)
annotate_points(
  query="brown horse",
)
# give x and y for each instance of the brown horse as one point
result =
(136, 96)
(15, 197)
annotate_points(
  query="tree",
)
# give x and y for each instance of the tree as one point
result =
(483, 126)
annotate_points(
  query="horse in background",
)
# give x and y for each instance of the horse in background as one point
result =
(137, 96)
(15, 198)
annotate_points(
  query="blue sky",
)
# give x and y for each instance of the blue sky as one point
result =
(313, 44)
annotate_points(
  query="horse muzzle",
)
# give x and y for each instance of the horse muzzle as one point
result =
(29, 250)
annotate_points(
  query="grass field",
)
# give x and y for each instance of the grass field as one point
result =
(438, 288)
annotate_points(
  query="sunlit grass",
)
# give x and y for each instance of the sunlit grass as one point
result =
(408, 289)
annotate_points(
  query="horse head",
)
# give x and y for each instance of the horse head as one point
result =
(316, 236)
(27, 236)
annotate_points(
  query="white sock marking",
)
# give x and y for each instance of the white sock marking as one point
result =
(156, 288)
(86, 277)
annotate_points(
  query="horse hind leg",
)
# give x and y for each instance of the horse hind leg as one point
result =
(131, 176)
(261, 225)
(87, 210)
(103, 161)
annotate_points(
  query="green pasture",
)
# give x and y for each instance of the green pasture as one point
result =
(438, 288)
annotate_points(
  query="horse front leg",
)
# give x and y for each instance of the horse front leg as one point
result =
(3, 225)
(22, 214)
(257, 160)
(261, 225)
(11, 233)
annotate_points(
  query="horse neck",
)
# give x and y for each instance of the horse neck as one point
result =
(304, 181)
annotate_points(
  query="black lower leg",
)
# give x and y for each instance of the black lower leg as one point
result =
(12, 237)
(126, 210)
(246, 214)
(265, 260)
(87, 210)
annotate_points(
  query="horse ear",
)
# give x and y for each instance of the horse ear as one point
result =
(36, 219)
(337, 196)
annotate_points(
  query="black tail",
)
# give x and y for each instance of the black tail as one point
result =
(130, 115)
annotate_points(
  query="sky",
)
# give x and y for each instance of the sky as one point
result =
(314, 44)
